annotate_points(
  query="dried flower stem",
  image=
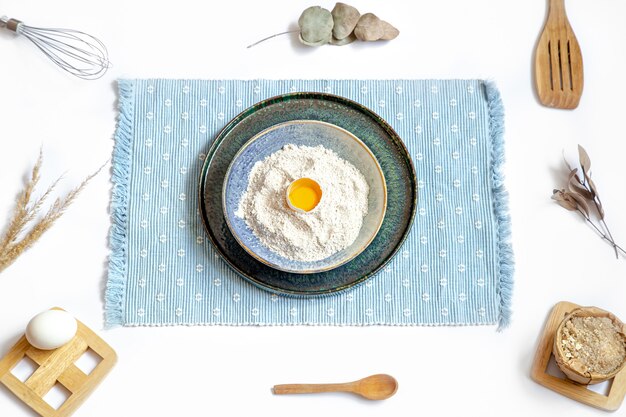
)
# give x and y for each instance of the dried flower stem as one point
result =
(606, 227)
(272, 36)
(602, 234)
(18, 236)
(598, 205)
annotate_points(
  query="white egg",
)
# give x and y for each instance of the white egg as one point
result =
(51, 329)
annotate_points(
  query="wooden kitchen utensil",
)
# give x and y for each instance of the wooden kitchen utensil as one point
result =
(374, 387)
(564, 386)
(57, 367)
(558, 61)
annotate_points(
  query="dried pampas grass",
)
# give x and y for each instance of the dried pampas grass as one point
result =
(27, 224)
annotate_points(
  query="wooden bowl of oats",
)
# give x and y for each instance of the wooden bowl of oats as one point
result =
(590, 345)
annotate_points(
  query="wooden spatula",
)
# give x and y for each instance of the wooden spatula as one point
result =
(558, 61)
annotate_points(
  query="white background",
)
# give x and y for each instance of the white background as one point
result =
(229, 370)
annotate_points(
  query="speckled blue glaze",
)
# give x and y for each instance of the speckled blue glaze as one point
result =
(379, 137)
(303, 133)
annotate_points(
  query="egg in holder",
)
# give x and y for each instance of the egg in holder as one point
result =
(56, 369)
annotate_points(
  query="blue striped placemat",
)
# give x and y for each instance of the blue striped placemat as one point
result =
(455, 268)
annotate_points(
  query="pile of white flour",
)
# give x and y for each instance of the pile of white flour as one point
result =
(332, 226)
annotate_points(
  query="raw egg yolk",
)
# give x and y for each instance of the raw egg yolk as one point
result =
(304, 194)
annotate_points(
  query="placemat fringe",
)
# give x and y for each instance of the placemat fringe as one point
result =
(501, 205)
(116, 285)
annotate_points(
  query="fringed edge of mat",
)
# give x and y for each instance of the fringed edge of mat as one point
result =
(501, 205)
(116, 283)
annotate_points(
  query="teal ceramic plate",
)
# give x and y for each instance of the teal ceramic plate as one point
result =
(303, 133)
(370, 128)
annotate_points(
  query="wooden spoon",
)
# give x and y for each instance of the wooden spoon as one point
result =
(558, 61)
(374, 387)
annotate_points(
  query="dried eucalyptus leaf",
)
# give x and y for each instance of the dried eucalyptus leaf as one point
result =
(575, 186)
(567, 205)
(389, 32)
(316, 26)
(565, 160)
(564, 200)
(340, 42)
(369, 28)
(592, 185)
(585, 162)
(600, 211)
(582, 204)
(320, 43)
(345, 18)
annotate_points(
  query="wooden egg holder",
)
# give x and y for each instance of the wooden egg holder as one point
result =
(57, 366)
(564, 386)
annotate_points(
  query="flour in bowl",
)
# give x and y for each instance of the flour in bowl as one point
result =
(329, 228)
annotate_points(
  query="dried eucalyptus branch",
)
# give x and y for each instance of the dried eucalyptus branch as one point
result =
(581, 195)
(343, 25)
(26, 225)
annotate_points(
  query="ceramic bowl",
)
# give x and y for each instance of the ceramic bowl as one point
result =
(304, 133)
(375, 132)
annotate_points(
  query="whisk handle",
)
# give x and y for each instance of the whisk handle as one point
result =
(11, 24)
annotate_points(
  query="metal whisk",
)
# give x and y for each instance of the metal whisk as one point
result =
(76, 52)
